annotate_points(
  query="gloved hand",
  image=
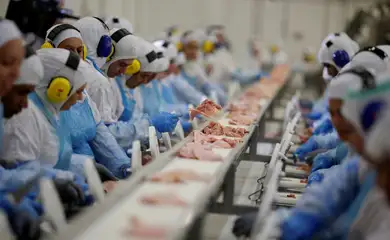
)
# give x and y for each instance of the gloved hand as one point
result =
(324, 128)
(306, 148)
(321, 162)
(22, 218)
(298, 226)
(70, 193)
(187, 126)
(165, 122)
(313, 116)
(243, 225)
(315, 177)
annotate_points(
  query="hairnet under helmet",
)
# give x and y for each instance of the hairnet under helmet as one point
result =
(119, 22)
(367, 107)
(57, 39)
(95, 34)
(31, 71)
(56, 63)
(9, 31)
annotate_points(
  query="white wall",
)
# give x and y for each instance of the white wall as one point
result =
(269, 20)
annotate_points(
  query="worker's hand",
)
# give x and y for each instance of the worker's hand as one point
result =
(187, 126)
(299, 225)
(313, 116)
(306, 148)
(24, 221)
(321, 162)
(324, 128)
(70, 193)
(165, 122)
(315, 177)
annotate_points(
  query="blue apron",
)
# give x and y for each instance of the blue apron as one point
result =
(96, 66)
(82, 126)
(150, 99)
(64, 144)
(127, 101)
(168, 94)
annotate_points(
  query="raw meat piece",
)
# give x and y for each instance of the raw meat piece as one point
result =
(108, 186)
(198, 151)
(232, 142)
(163, 198)
(203, 139)
(217, 129)
(234, 132)
(142, 230)
(241, 120)
(213, 128)
(221, 144)
(207, 108)
(179, 176)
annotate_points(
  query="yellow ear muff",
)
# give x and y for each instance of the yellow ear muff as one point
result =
(208, 46)
(179, 46)
(133, 68)
(85, 52)
(58, 90)
(47, 45)
(109, 58)
(274, 49)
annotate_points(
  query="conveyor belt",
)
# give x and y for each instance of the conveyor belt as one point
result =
(107, 220)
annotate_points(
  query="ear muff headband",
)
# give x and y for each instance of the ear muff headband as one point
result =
(116, 37)
(340, 57)
(367, 78)
(104, 47)
(377, 51)
(59, 87)
(56, 31)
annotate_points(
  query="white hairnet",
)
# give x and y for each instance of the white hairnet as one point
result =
(169, 49)
(119, 22)
(181, 59)
(374, 125)
(31, 71)
(66, 34)
(53, 61)
(339, 42)
(195, 35)
(91, 31)
(9, 31)
(127, 47)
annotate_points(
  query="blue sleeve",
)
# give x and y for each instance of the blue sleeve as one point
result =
(11, 179)
(246, 78)
(327, 141)
(324, 127)
(108, 152)
(322, 203)
(187, 93)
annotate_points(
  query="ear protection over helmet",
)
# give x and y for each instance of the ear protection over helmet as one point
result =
(340, 57)
(370, 112)
(375, 50)
(135, 66)
(208, 46)
(104, 47)
(60, 87)
(54, 34)
(150, 57)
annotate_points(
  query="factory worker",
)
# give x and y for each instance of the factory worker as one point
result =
(35, 133)
(72, 189)
(336, 51)
(276, 55)
(118, 23)
(182, 92)
(223, 66)
(89, 134)
(192, 72)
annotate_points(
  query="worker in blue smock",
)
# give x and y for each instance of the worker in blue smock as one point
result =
(336, 51)
(21, 217)
(89, 134)
(223, 66)
(193, 72)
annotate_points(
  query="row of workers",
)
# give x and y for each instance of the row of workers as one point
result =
(348, 192)
(92, 90)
